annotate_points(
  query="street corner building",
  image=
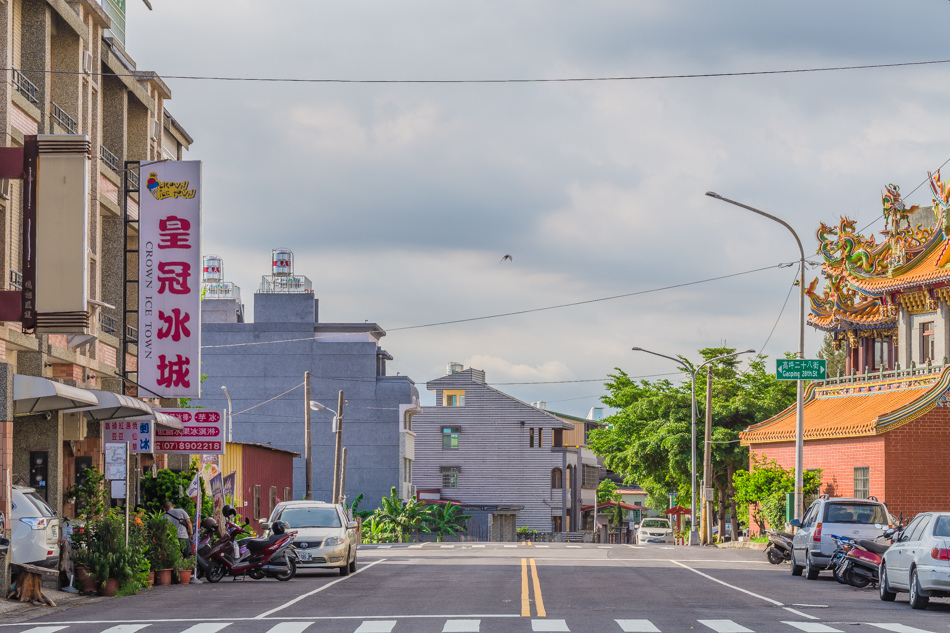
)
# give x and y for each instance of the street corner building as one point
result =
(509, 463)
(260, 368)
(883, 428)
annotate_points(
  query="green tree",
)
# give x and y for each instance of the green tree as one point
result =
(764, 489)
(402, 517)
(835, 357)
(607, 491)
(445, 520)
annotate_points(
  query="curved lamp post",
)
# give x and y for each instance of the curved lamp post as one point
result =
(799, 391)
(693, 532)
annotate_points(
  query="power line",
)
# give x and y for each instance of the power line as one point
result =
(562, 382)
(787, 71)
(880, 217)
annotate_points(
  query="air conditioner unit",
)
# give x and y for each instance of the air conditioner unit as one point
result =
(156, 129)
(87, 62)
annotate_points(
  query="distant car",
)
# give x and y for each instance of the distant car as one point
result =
(654, 531)
(919, 561)
(35, 538)
(813, 545)
(326, 537)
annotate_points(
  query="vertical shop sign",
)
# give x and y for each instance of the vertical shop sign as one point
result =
(169, 279)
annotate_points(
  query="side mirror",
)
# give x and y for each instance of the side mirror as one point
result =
(246, 521)
(878, 526)
(265, 525)
(636, 526)
(351, 525)
(795, 523)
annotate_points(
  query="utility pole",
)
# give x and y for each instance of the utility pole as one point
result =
(343, 478)
(338, 454)
(707, 462)
(308, 445)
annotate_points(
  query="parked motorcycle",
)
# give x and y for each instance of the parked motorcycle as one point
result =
(860, 566)
(839, 562)
(263, 557)
(779, 548)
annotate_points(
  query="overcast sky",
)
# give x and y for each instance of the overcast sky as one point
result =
(400, 200)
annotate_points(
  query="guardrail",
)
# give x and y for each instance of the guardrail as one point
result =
(26, 87)
(59, 115)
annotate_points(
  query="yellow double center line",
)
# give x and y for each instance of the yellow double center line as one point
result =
(525, 596)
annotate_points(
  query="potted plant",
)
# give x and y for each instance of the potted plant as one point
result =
(184, 567)
(162, 549)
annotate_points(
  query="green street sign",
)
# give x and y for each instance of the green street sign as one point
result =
(801, 369)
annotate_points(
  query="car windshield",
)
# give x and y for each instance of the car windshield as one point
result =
(311, 517)
(942, 528)
(36, 500)
(859, 513)
(655, 523)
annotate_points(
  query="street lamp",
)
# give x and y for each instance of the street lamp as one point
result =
(338, 455)
(693, 533)
(230, 420)
(800, 387)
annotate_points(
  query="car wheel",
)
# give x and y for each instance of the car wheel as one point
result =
(884, 591)
(345, 570)
(811, 572)
(917, 601)
(796, 569)
(353, 564)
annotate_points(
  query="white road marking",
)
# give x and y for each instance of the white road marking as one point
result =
(289, 627)
(811, 606)
(725, 584)
(549, 625)
(302, 618)
(813, 627)
(636, 547)
(447, 546)
(542, 546)
(415, 547)
(481, 546)
(802, 614)
(317, 590)
(45, 629)
(122, 628)
(605, 547)
(376, 626)
(724, 626)
(461, 626)
(898, 628)
(574, 546)
(383, 546)
(509, 546)
(637, 626)
(206, 627)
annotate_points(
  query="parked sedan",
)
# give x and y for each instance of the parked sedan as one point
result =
(919, 561)
(655, 531)
(35, 539)
(326, 537)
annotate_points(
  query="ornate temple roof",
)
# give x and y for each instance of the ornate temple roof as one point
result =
(849, 408)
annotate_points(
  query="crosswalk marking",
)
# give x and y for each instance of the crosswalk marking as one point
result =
(461, 626)
(574, 546)
(45, 629)
(376, 626)
(207, 627)
(898, 628)
(605, 547)
(724, 626)
(289, 627)
(125, 628)
(415, 547)
(447, 546)
(549, 625)
(383, 546)
(637, 626)
(510, 546)
(482, 546)
(542, 546)
(813, 627)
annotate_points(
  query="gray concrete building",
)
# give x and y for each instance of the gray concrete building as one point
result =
(262, 365)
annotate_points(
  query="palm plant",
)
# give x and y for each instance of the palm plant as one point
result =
(446, 520)
(403, 516)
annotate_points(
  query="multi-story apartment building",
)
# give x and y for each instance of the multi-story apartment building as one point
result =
(69, 73)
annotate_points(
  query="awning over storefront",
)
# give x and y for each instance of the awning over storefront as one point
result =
(113, 406)
(32, 394)
(168, 420)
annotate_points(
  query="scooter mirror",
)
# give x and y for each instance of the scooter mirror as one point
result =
(246, 521)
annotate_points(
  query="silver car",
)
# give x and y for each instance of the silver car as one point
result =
(655, 531)
(326, 537)
(813, 545)
(919, 561)
(35, 538)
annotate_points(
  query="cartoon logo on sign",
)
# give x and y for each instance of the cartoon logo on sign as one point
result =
(161, 190)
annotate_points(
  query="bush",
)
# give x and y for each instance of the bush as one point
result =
(163, 551)
(108, 556)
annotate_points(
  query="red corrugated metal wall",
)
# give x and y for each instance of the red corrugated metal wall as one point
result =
(265, 468)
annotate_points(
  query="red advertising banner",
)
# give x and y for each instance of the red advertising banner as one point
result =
(203, 433)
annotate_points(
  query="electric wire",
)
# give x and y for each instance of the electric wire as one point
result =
(881, 217)
(525, 80)
(266, 401)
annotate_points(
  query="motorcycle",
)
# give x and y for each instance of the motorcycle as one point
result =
(263, 557)
(779, 548)
(860, 566)
(838, 563)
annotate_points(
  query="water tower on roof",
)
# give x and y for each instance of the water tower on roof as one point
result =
(282, 277)
(213, 284)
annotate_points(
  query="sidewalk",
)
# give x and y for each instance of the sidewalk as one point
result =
(12, 611)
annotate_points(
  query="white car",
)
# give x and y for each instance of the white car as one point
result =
(35, 538)
(326, 537)
(654, 531)
(919, 561)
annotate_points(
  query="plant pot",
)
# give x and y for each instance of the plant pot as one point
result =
(151, 579)
(81, 572)
(109, 588)
(184, 576)
(88, 584)
(163, 577)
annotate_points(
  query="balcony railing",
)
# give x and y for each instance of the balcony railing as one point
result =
(886, 374)
(109, 158)
(132, 333)
(26, 87)
(65, 121)
(108, 324)
(221, 290)
(16, 280)
(132, 179)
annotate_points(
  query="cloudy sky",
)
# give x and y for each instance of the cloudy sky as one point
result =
(399, 200)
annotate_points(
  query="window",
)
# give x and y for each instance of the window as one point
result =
(910, 529)
(271, 499)
(809, 519)
(927, 339)
(450, 437)
(288, 494)
(589, 476)
(453, 398)
(557, 478)
(862, 482)
(557, 439)
(450, 476)
(311, 517)
(882, 354)
(942, 529)
(540, 438)
(257, 503)
(855, 512)
(407, 470)
(530, 438)
(921, 529)
(407, 421)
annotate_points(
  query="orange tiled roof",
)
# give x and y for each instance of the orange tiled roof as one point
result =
(867, 316)
(928, 268)
(855, 409)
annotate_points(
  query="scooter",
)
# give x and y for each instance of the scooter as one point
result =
(839, 558)
(779, 548)
(265, 557)
(864, 559)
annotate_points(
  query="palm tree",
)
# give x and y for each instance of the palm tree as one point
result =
(402, 516)
(446, 520)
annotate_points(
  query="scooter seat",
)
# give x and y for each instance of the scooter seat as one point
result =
(255, 545)
(784, 535)
(873, 546)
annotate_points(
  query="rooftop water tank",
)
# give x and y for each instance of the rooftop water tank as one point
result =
(454, 368)
(212, 269)
(282, 262)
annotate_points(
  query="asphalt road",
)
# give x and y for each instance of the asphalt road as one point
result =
(491, 588)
